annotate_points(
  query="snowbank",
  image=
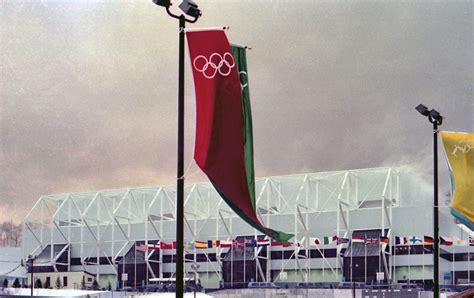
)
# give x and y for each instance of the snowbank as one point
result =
(48, 292)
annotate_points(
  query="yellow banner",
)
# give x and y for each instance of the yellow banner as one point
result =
(459, 150)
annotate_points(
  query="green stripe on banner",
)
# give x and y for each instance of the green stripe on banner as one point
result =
(277, 235)
(241, 61)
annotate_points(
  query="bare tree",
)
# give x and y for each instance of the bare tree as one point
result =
(10, 234)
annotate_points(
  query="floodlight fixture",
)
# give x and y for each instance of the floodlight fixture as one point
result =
(164, 3)
(190, 8)
(436, 119)
(423, 110)
(433, 115)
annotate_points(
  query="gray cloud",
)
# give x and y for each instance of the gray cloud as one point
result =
(88, 89)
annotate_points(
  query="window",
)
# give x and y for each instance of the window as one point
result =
(276, 254)
(302, 253)
(330, 253)
(314, 254)
(65, 281)
(288, 254)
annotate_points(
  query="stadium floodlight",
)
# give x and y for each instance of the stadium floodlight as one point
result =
(433, 115)
(191, 9)
(30, 263)
(164, 3)
(423, 110)
(436, 119)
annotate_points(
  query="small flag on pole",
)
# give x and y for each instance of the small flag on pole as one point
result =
(213, 243)
(251, 243)
(328, 240)
(342, 240)
(189, 245)
(358, 239)
(200, 244)
(401, 240)
(413, 240)
(141, 247)
(427, 240)
(265, 242)
(226, 244)
(445, 241)
(370, 240)
(314, 241)
(164, 245)
(384, 240)
(153, 246)
(238, 243)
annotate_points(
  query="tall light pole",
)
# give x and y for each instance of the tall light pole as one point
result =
(436, 119)
(31, 259)
(191, 9)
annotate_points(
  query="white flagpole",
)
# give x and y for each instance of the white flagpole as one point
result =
(423, 259)
(135, 265)
(365, 258)
(245, 252)
(365, 262)
(255, 255)
(409, 262)
(469, 263)
(452, 263)
(352, 248)
(380, 254)
(321, 251)
(394, 268)
(232, 263)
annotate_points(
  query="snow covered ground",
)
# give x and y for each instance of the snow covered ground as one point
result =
(91, 294)
(172, 295)
(49, 292)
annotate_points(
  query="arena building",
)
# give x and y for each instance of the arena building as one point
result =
(107, 235)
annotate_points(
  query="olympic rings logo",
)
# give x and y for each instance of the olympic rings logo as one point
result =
(217, 63)
(243, 82)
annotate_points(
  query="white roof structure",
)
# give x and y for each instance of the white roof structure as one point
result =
(108, 223)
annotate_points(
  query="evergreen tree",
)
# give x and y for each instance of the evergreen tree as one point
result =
(58, 283)
(47, 284)
(95, 285)
(16, 283)
(38, 284)
(83, 283)
(109, 286)
(5, 283)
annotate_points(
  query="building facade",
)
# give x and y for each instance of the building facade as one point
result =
(99, 232)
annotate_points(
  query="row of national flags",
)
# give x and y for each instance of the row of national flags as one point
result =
(215, 244)
(397, 240)
(313, 241)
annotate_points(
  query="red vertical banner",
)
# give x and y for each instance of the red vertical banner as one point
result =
(219, 148)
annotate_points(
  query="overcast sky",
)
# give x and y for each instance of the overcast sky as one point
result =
(88, 88)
